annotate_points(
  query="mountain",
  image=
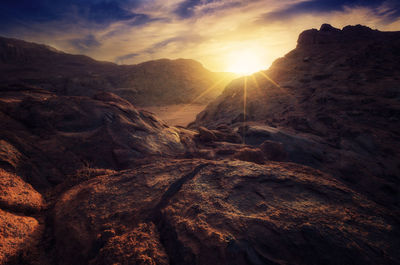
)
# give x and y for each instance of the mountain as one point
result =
(159, 82)
(333, 102)
(308, 174)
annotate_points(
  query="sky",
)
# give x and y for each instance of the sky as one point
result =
(218, 33)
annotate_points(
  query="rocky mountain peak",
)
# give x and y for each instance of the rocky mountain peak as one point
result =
(327, 34)
(327, 27)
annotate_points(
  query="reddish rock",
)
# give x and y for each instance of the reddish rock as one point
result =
(273, 151)
(57, 135)
(224, 135)
(17, 195)
(125, 197)
(250, 154)
(205, 135)
(197, 212)
(9, 156)
(334, 104)
(19, 236)
(140, 246)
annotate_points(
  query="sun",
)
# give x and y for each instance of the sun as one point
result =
(245, 62)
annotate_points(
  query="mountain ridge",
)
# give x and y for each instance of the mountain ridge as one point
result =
(174, 81)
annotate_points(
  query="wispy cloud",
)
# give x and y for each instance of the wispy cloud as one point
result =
(85, 43)
(121, 59)
(391, 12)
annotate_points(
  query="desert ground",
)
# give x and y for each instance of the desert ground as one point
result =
(176, 114)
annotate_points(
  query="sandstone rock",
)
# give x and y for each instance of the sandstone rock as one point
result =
(206, 154)
(130, 204)
(17, 195)
(250, 154)
(227, 212)
(124, 194)
(335, 81)
(273, 151)
(206, 135)
(9, 156)
(57, 135)
(19, 236)
(222, 135)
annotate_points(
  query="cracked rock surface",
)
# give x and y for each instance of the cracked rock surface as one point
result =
(225, 212)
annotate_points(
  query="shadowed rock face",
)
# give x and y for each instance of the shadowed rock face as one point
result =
(48, 137)
(223, 212)
(333, 102)
(159, 82)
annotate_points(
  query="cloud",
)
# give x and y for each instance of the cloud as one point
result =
(193, 8)
(121, 59)
(92, 11)
(391, 12)
(186, 8)
(107, 11)
(180, 42)
(85, 43)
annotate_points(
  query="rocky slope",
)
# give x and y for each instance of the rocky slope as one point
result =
(46, 137)
(205, 212)
(333, 102)
(159, 82)
(90, 179)
(50, 142)
(20, 233)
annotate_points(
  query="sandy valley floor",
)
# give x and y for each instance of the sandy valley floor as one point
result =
(179, 114)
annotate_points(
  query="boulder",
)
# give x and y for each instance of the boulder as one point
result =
(50, 137)
(225, 212)
(250, 154)
(206, 135)
(273, 151)
(17, 195)
(19, 236)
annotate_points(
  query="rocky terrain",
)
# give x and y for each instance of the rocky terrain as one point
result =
(159, 82)
(46, 136)
(306, 173)
(334, 104)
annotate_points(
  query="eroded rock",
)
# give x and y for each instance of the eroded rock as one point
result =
(227, 212)
(17, 195)
(19, 236)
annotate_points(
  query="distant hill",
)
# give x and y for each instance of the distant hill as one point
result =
(158, 82)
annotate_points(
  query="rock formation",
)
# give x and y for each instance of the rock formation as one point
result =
(46, 137)
(333, 102)
(159, 82)
(306, 174)
(224, 212)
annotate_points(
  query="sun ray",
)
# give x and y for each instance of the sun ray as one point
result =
(255, 82)
(244, 108)
(270, 79)
(213, 86)
(275, 83)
